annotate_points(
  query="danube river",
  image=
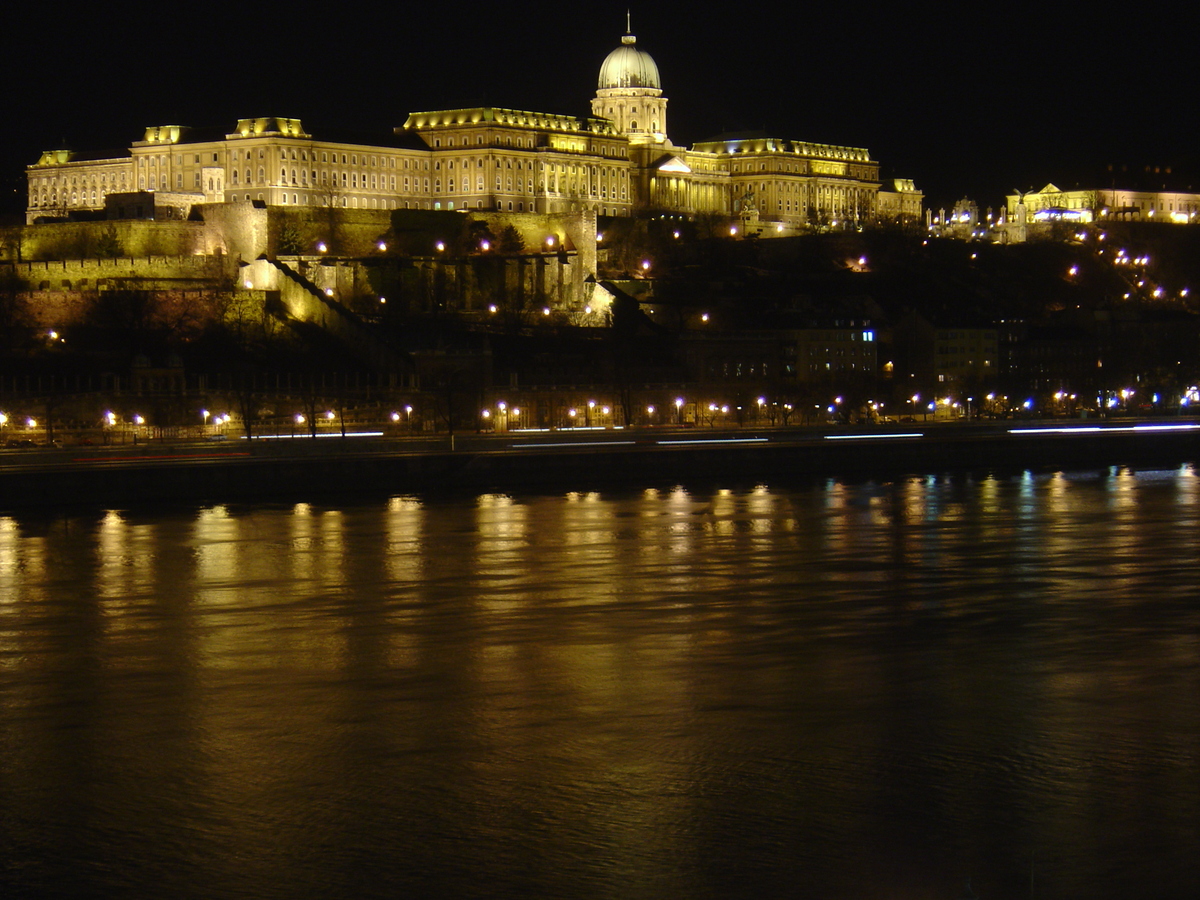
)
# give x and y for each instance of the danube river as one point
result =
(836, 690)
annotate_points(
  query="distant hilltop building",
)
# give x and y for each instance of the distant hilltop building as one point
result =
(1149, 194)
(1084, 205)
(618, 162)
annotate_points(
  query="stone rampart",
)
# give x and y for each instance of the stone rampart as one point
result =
(239, 231)
(94, 240)
(344, 232)
(145, 273)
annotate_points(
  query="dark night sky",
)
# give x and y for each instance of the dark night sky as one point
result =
(967, 103)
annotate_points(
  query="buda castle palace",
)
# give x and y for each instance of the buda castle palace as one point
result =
(618, 162)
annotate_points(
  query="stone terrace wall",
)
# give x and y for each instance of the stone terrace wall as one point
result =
(148, 273)
(87, 240)
(345, 232)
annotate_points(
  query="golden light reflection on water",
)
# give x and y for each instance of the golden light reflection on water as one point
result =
(17, 562)
(628, 676)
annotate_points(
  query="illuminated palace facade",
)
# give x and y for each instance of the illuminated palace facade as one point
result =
(618, 162)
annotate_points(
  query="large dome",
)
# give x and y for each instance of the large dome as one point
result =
(629, 67)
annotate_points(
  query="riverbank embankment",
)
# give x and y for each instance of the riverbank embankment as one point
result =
(279, 469)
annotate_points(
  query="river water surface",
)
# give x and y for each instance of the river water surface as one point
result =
(842, 690)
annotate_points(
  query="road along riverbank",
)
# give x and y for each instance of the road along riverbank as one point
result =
(279, 469)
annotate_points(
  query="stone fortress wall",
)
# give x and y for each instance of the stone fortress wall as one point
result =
(341, 256)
